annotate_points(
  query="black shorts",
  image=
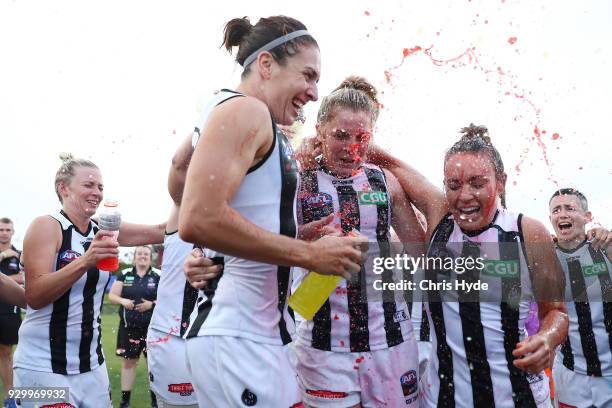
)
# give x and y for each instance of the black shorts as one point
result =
(136, 342)
(9, 328)
(122, 339)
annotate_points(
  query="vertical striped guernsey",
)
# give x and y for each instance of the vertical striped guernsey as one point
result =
(473, 333)
(355, 318)
(64, 336)
(588, 273)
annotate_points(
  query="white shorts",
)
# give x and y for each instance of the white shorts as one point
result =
(86, 390)
(236, 372)
(424, 352)
(580, 390)
(387, 377)
(169, 377)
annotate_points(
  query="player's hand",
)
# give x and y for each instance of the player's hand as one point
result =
(127, 304)
(9, 253)
(317, 229)
(534, 354)
(339, 255)
(199, 269)
(104, 245)
(307, 152)
(600, 238)
(143, 306)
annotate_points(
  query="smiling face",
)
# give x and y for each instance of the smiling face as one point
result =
(84, 192)
(291, 86)
(345, 139)
(568, 218)
(472, 189)
(142, 257)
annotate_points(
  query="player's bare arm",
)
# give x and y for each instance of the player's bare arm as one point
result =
(537, 352)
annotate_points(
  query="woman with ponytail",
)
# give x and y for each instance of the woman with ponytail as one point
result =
(359, 349)
(60, 336)
(481, 353)
(238, 203)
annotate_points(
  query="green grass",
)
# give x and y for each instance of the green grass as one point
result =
(140, 393)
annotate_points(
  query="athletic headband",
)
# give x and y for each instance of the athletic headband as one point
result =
(274, 43)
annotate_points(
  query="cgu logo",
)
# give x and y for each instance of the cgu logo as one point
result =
(372, 197)
(318, 200)
(599, 268)
(501, 269)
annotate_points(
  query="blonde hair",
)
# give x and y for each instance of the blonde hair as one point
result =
(67, 170)
(354, 93)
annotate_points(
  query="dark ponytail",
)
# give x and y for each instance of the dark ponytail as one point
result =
(476, 139)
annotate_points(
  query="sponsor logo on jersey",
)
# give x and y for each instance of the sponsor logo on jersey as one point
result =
(410, 386)
(248, 398)
(318, 200)
(67, 256)
(326, 394)
(400, 316)
(501, 269)
(183, 389)
(595, 269)
(59, 405)
(372, 198)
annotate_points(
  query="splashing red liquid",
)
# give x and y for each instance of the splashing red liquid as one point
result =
(469, 57)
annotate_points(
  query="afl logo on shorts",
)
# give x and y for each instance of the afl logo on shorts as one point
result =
(409, 386)
(67, 256)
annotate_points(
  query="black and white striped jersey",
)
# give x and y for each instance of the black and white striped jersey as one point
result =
(474, 332)
(355, 318)
(588, 294)
(249, 300)
(415, 300)
(64, 336)
(176, 298)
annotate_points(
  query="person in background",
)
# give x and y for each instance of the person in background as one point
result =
(136, 291)
(10, 314)
(582, 370)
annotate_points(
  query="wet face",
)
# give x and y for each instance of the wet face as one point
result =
(568, 218)
(84, 192)
(6, 233)
(293, 85)
(345, 139)
(472, 190)
(142, 257)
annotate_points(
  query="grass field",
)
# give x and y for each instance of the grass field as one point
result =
(140, 392)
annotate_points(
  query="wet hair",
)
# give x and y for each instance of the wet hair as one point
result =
(475, 139)
(571, 191)
(239, 32)
(67, 170)
(354, 93)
